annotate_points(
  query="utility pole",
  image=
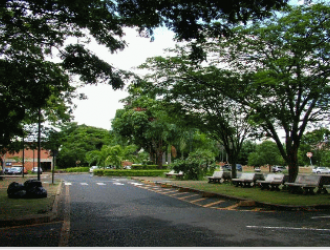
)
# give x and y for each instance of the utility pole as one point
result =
(39, 143)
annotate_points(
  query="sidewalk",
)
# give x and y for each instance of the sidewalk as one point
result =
(19, 212)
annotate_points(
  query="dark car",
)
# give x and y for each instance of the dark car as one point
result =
(228, 167)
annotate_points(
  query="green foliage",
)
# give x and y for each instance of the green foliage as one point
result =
(76, 142)
(77, 169)
(192, 169)
(106, 172)
(144, 167)
(276, 73)
(266, 153)
(247, 148)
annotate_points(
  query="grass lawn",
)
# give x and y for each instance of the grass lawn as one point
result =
(13, 208)
(256, 194)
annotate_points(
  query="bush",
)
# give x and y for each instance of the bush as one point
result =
(77, 169)
(192, 169)
(146, 167)
(110, 172)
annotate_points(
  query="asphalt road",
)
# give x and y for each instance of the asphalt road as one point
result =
(115, 212)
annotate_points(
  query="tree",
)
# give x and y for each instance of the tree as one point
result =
(278, 71)
(248, 147)
(317, 142)
(145, 125)
(267, 153)
(75, 141)
(33, 31)
(207, 108)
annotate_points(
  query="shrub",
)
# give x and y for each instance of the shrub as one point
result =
(146, 167)
(77, 169)
(192, 169)
(110, 172)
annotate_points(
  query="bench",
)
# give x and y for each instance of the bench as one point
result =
(324, 183)
(304, 184)
(245, 180)
(177, 175)
(219, 177)
(272, 182)
(169, 174)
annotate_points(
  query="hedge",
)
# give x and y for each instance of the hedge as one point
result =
(126, 172)
(76, 169)
(146, 167)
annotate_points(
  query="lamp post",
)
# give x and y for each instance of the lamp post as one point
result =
(23, 156)
(39, 143)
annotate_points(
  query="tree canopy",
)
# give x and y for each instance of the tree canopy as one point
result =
(277, 70)
(34, 32)
(74, 141)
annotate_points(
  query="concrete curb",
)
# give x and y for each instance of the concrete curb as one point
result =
(36, 218)
(278, 207)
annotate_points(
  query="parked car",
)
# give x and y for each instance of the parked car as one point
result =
(227, 167)
(92, 168)
(16, 170)
(276, 169)
(35, 170)
(257, 169)
(321, 170)
(5, 170)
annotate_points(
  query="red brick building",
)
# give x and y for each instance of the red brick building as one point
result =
(30, 159)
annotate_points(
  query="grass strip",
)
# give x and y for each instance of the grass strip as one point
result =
(258, 195)
(15, 208)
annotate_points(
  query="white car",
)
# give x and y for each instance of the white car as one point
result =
(92, 168)
(321, 170)
(35, 170)
(276, 169)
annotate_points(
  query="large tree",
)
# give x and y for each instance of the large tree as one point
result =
(74, 141)
(277, 70)
(34, 31)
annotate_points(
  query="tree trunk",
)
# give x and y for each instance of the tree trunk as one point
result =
(160, 159)
(232, 160)
(292, 154)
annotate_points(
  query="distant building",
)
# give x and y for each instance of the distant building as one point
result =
(30, 159)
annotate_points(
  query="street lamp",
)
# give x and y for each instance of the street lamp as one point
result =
(39, 143)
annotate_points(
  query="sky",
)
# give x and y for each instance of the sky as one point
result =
(103, 101)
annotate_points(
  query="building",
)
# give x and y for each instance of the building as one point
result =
(30, 159)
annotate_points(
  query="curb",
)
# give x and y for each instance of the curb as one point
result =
(277, 207)
(36, 218)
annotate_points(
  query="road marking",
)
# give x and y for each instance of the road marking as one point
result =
(67, 183)
(214, 203)
(169, 192)
(84, 184)
(118, 184)
(201, 199)
(101, 184)
(321, 217)
(232, 207)
(136, 184)
(186, 197)
(291, 228)
(178, 193)
(65, 230)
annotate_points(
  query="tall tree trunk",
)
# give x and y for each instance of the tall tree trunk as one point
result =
(159, 153)
(232, 160)
(292, 154)
(160, 159)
